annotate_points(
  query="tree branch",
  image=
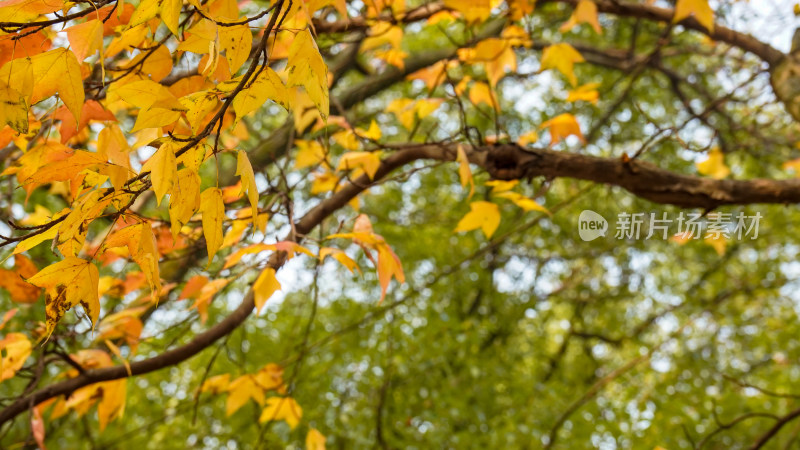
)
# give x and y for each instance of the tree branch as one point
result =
(775, 429)
(203, 340)
(640, 178)
(507, 161)
(746, 42)
(274, 146)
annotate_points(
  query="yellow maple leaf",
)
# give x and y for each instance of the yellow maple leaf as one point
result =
(37, 239)
(516, 36)
(585, 12)
(340, 256)
(86, 38)
(15, 348)
(13, 109)
(112, 405)
(482, 93)
(163, 169)
(168, 10)
(324, 182)
(408, 111)
(25, 10)
(483, 215)
(681, 238)
(156, 116)
(14, 281)
(464, 172)
(306, 68)
(496, 55)
(369, 162)
(112, 146)
(426, 106)
(207, 293)
(382, 34)
(198, 105)
(7, 316)
(530, 137)
(237, 256)
(718, 243)
(236, 231)
(562, 57)
(267, 86)
(142, 247)
(156, 64)
(562, 126)
(501, 185)
(521, 8)
(145, 93)
(245, 171)
(184, 199)
(125, 324)
(347, 139)
(58, 71)
(128, 39)
(315, 440)
(587, 92)
(282, 408)
(213, 211)
(523, 202)
(269, 377)
(216, 384)
(211, 62)
(71, 168)
(266, 284)
(309, 154)
(72, 230)
(393, 56)
(199, 35)
(700, 9)
(67, 283)
(472, 10)
(240, 391)
(432, 75)
(388, 266)
(714, 166)
(792, 165)
(237, 42)
(373, 133)
(39, 216)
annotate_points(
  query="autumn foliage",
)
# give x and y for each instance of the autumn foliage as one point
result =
(179, 163)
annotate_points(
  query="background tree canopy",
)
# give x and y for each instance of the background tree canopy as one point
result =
(355, 224)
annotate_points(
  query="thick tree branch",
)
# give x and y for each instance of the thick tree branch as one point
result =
(203, 340)
(508, 161)
(640, 178)
(743, 41)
